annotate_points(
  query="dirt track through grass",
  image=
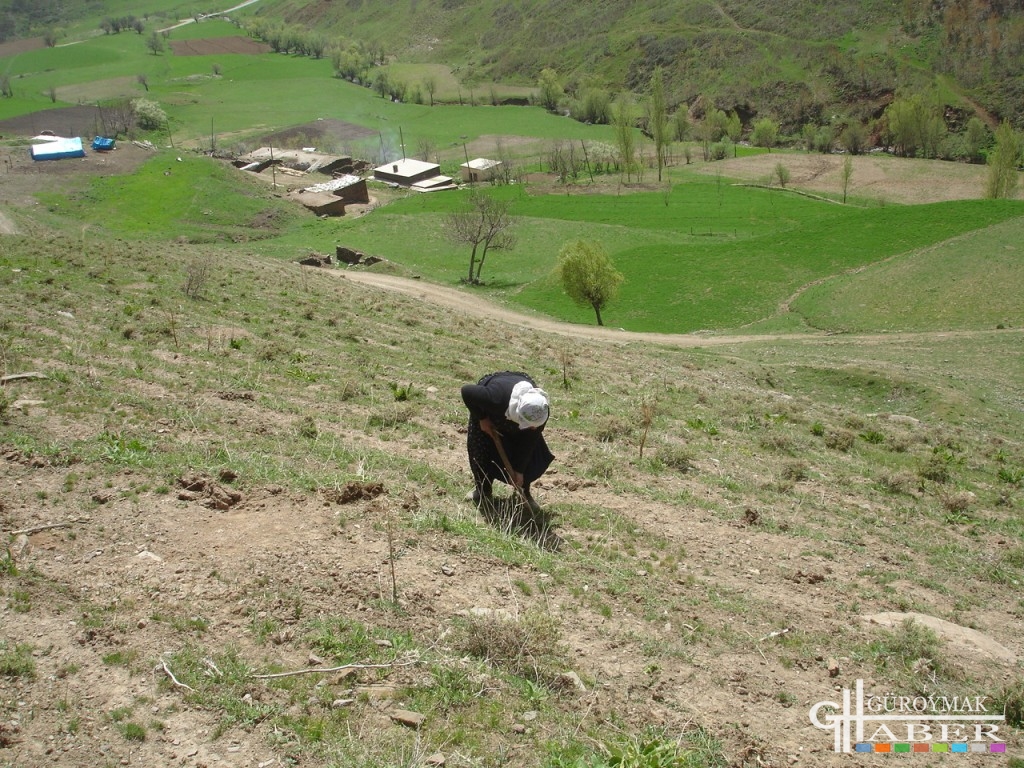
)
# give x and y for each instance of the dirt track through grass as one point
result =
(481, 307)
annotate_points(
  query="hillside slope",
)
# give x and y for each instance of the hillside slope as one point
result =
(232, 497)
(796, 61)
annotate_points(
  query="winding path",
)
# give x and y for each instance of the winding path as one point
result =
(183, 22)
(7, 226)
(478, 306)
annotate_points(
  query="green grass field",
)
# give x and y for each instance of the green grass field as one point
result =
(709, 255)
(254, 94)
(701, 254)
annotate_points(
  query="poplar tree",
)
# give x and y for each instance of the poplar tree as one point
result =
(1003, 162)
(624, 135)
(659, 126)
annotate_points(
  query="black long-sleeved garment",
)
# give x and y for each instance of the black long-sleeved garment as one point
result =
(526, 449)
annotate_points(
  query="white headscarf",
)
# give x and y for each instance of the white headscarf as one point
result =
(528, 406)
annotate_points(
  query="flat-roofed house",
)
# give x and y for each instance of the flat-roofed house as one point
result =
(406, 171)
(480, 169)
(331, 197)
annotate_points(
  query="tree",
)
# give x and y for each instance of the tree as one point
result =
(808, 134)
(658, 118)
(149, 115)
(594, 106)
(430, 86)
(782, 174)
(975, 138)
(624, 136)
(915, 125)
(484, 224)
(711, 129)
(681, 123)
(847, 174)
(551, 89)
(765, 133)
(155, 43)
(382, 83)
(854, 137)
(588, 275)
(117, 116)
(734, 128)
(1003, 162)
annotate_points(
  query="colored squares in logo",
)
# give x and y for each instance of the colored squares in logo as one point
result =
(883, 747)
(940, 747)
(958, 747)
(977, 746)
(1000, 747)
(863, 747)
(922, 747)
(900, 747)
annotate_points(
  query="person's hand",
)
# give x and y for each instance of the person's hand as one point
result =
(517, 479)
(487, 427)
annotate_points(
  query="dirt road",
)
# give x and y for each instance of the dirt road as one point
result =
(6, 225)
(482, 307)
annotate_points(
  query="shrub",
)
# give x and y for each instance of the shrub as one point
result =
(1009, 475)
(794, 471)
(675, 457)
(937, 467)
(149, 115)
(529, 646)
(1010, 699)
(897, 482)
(957, 502)
(614, 428)
(910, 649)
(307, 428)
(16, 661)
(840, 439)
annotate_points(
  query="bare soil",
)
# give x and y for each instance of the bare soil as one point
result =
(14, 47)
(326, 132)
(877, 177)
(21, 177)
(216, 46)
(62, 121)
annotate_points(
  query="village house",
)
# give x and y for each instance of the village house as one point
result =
(329, 198)
(480, 169)
(406, 171)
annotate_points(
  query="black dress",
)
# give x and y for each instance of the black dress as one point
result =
(526, 449)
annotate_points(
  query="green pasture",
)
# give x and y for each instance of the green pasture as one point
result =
(250, 95)
(698, 253)
(701, 254)
(974, 281)
(710, 255)
(174, 198)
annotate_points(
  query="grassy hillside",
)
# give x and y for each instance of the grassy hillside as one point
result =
(258, 469)
(232, 489)
(704, 255)
(796, 61)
